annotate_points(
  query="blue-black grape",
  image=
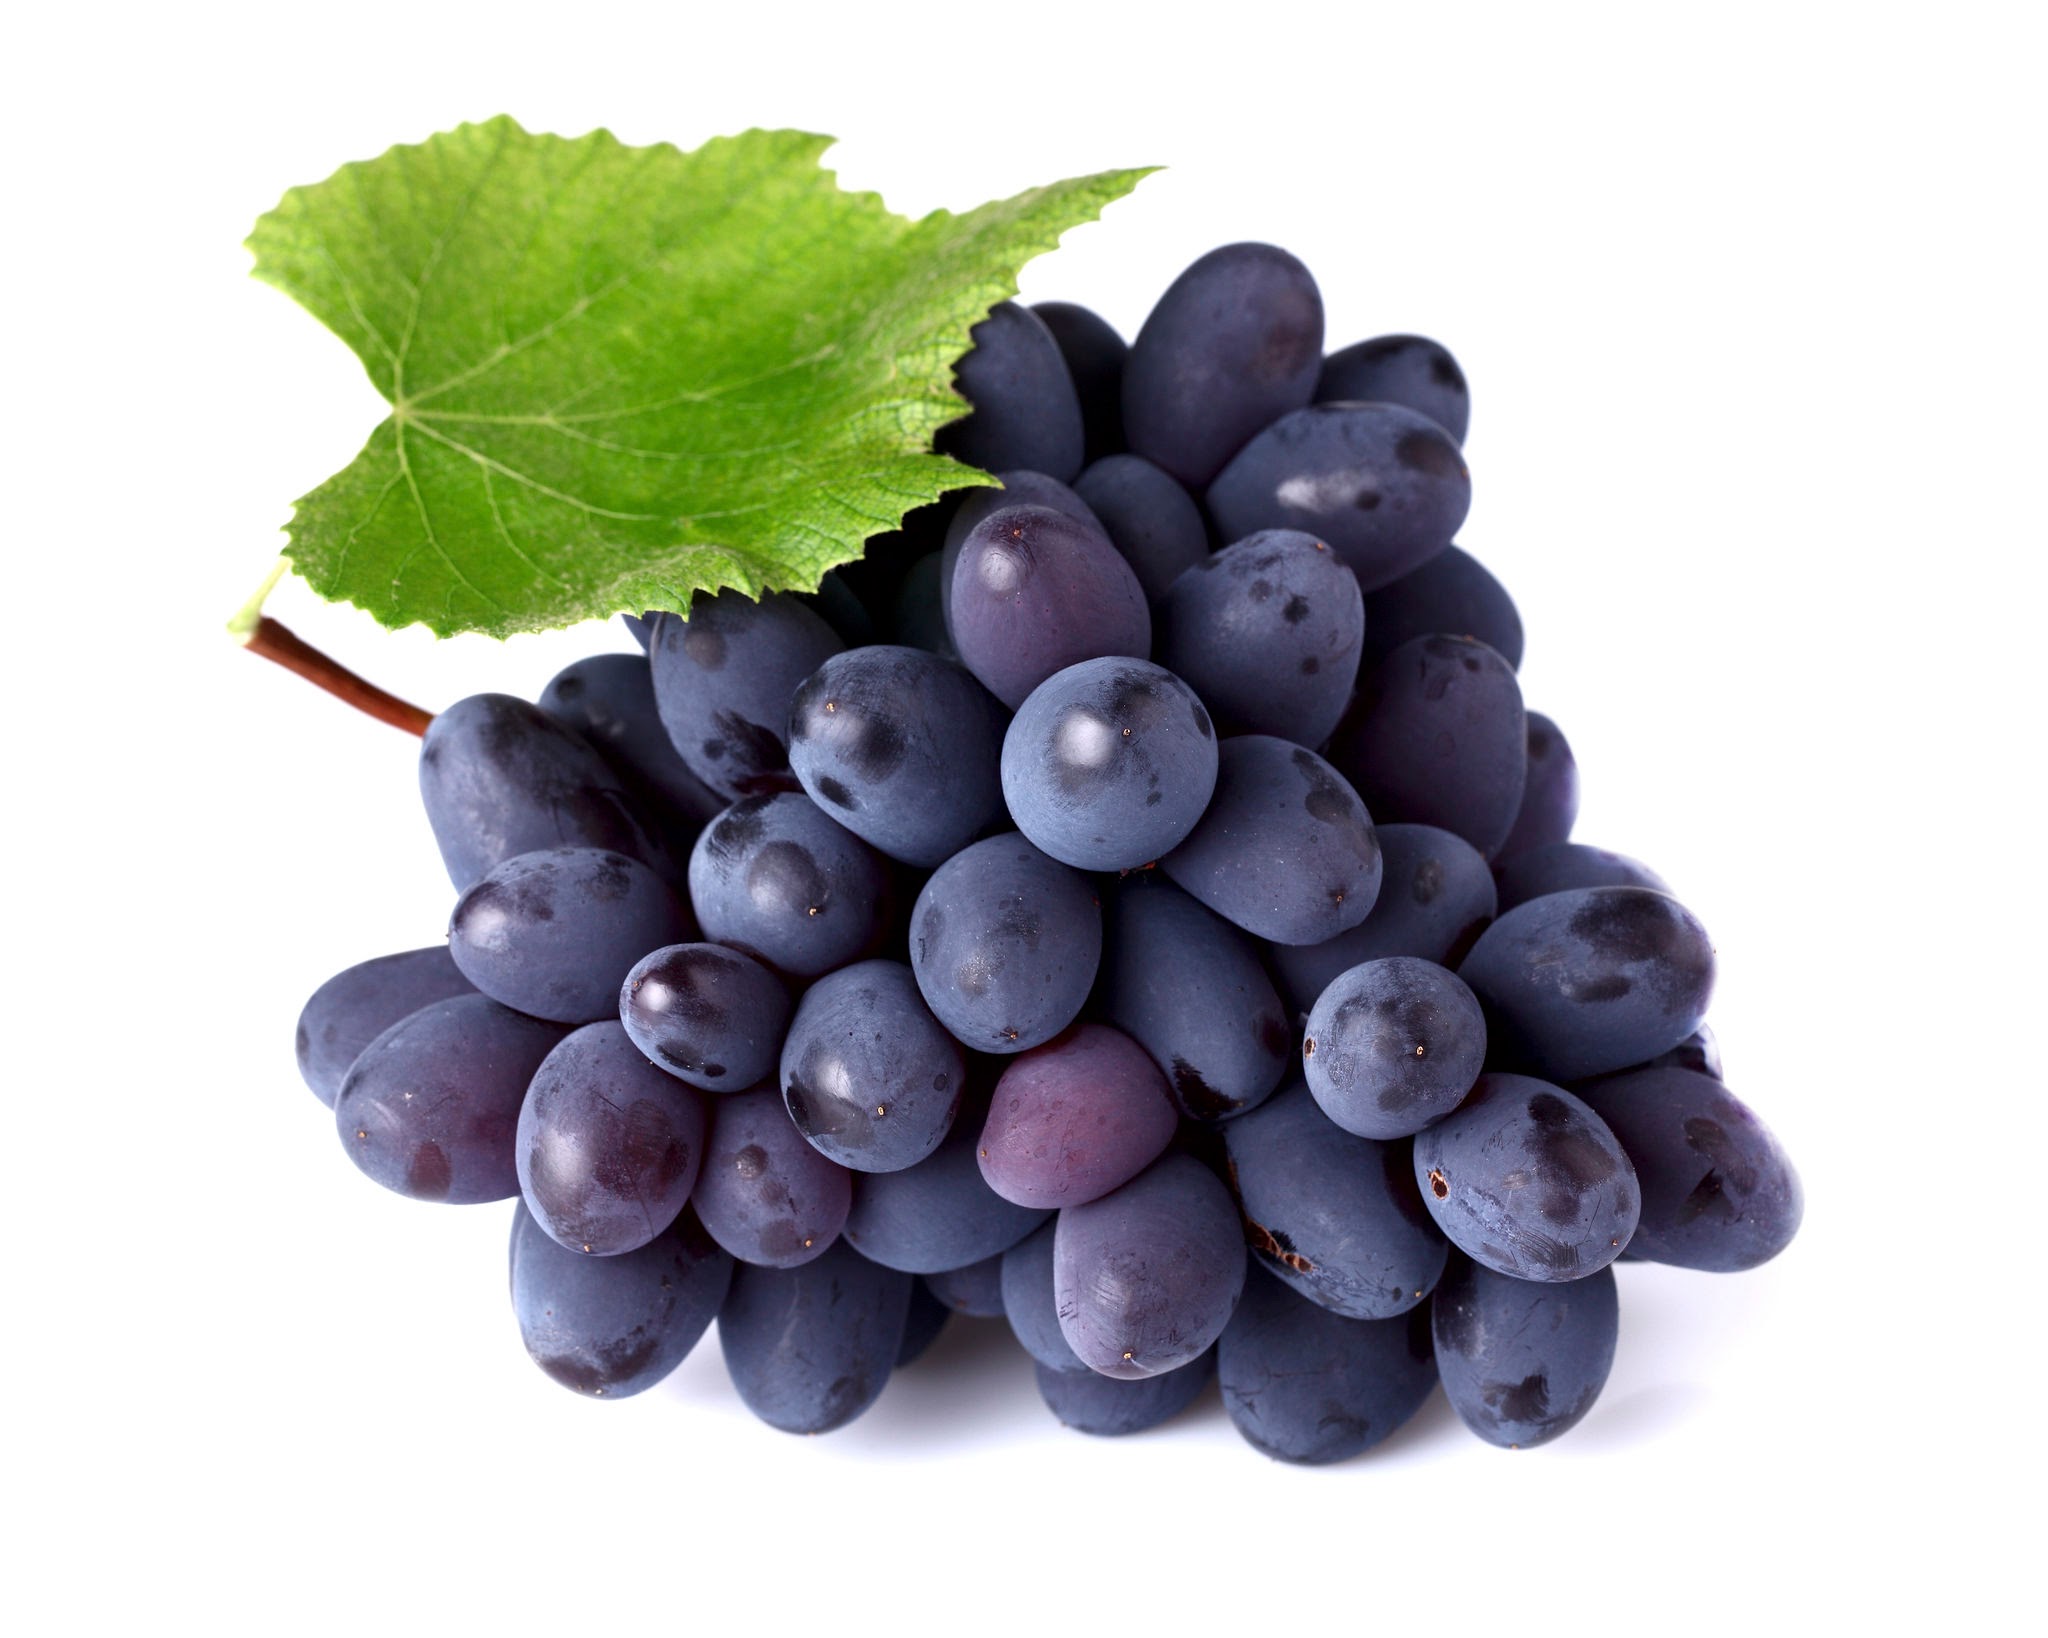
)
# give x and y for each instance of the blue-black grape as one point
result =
(1235, 342)
(640, 627)
(1559, 867)
(1146, 1277)
(1450, 595)
(976, 1290)
(1095, 356)
(706, 1014)
(902, 748)
(723, 678)
(1019, 487)
(1029, 1304)
(608, 1146)
(1521, 1360)
(937, 1215)
(1286, 849)
(1148, 517)
(357, 1005)
(554, 933)
(1393, 1045)
(1436, 895)
(1305, 1384)
(777, 877)
(868, 1074)
(1337, 1217)
(1550, 796)
(1591, 980)
(1526, 1179)
(1719, 1193)
(1035, 592)
(811, 1348)
(1439, 737)
(1112, 1408)
(1074, 1119)
(500, 777)
(429, 1109)
(921, 1326)
(1384, 486)
(612, 1327)
(1188, 987)
(1410, 370)
(1700, 1052)
(1005, 943)
(1109, 764)
(1026, 412)
(1268, 632)
(764, 1193)
(609, 700)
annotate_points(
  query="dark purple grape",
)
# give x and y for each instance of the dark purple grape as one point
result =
(777, 877)
(1526, 1179)
(609, 700)
(937, 1215)
(1286, 849)
(922, 1325)
(1560, 867)
(765, 1194)
(1095, 356)
(1410, 370)
(1017, 488)
(1521, 1360)
(1393, 1045)
(1111, 1408)
(1268, 632)
(1148, 517)
(706, 1014)
(1035, 592)
(1074, 1119)
(1234, 343)
(1450, 595)
(976, 1290)
(811, 1348)
(1550, 797)
(357, 1005)
(1029, 1305)
(1026, 412)
(1384, 486)
(1700, 1052)
(429, 1109)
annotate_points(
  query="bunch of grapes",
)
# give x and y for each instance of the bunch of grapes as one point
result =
(1132, 901)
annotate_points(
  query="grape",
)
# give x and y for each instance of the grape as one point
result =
(554, 933)
(1268, 632)
(706, 1014)
(1393, 1045)
(1436, 894)
(640, 627)
(1004, 943)
(1523, 1361)
(902, 748)
(611, 1327)
(357, 1005)
(430, 1107)
(500, 777)
(918, 619)
(1235, 342)
(1409, 370)
(1111, 1408)
(609, 700)
(1526, 1179)
(1718, 1192)
(1034, 593)
(1188, 987)
(1699, 1052)
(835, 604)
(1550, 797)
(811, 1348)
(1596, 979)
(1382, 485)
(1074, 1119)
(1335, 1216)
(722, 679)
(1450, 595)
(1146, 1277)
(1439, 738)
(607, 1145)
(778, 878)
(1020, 487)
(921, 1328)
(1286, 850)
(1026, 412)
(1028, 1303)
(1560, 867)
(976, 1290)
(765, 1194)
(1304, 1384)
(868, 1074)
(1148, 517)
(936, 1215)
(1109, 763)
(1095, 356)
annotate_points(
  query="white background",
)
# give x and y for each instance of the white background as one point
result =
(1750, 302)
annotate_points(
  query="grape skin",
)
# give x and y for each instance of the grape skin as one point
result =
(1019, 487)
(1561, 867)
(1450, 595)
(1550, 794)
(1095, 356)
(1026, 412)
(938, 1215)
(810, 1349)
(1148, 517)
(976, 1290)
(705, 1014)
(1521, 1361)
(1029, 1303)
(1074, 1119)
(764, 1193)
(360, 1003)
(1112, 1408)
(609, 700)
(1393, 1045)
(1409, 370)
(777, 877)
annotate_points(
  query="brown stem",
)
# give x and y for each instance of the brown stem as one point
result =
(279, 643)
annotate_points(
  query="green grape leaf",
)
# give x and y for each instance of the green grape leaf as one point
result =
(620, 375)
